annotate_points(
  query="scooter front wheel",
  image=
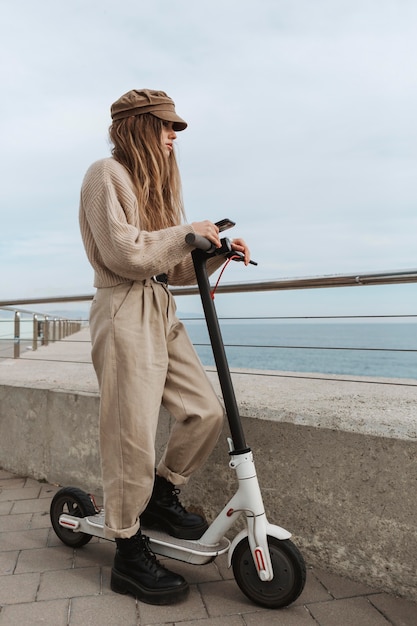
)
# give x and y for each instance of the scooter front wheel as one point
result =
(289, 573)
(72, 501)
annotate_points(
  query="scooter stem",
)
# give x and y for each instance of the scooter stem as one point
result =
(229, 398)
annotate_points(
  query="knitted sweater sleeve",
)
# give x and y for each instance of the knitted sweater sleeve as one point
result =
(115, 245)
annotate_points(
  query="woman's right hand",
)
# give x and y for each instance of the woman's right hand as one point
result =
(208, 230)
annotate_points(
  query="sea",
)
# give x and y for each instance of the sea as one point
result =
(386, 349)
(370, 349)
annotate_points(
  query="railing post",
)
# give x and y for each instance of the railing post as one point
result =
(45, 338)
(35, 333)
(16, 353)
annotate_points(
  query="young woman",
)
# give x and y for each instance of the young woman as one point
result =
(133, 228)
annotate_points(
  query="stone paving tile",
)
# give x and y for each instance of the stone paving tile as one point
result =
(340, 587)
(6, 507)
(53, 613)
(8, 562)
(105, 582)
(98, 610)
(18, 588)
(12, 483)
(225, 598)
(18, 494)
(85, 581)
(192, 608)
(94, 554)
(291, 616)
(313, 591)
(23, 539)
(401, 612)
(15, 522)
(37, 505)
(347, 612)
(231, 620)
(41, 520)
(43, 560)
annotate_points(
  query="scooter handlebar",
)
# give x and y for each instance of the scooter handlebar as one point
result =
(207, 246)
(200, 242)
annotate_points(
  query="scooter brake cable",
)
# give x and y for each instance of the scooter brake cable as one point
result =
(231, 258)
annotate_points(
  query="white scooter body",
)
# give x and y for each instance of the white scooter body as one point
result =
(246, 500)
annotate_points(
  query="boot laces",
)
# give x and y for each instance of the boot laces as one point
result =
(171, 497)
(149, 556)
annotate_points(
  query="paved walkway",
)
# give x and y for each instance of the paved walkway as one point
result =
(45, 582)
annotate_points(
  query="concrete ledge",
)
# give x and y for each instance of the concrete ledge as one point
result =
(336, 461)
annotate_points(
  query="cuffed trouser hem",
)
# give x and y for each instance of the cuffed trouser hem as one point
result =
(172, 477)
(124, 533)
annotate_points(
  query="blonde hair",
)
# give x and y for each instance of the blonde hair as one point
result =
(156, 179)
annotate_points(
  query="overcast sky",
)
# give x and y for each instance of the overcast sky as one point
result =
(302, 128)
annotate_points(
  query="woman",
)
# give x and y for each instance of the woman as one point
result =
(132, 225)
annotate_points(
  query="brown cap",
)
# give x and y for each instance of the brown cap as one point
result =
(137, 102)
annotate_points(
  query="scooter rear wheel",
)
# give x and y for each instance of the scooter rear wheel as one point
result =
(289, 573)
(72, 501)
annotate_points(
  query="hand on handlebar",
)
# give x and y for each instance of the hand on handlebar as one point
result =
(208, 230)
(209, 233)
(240, 246)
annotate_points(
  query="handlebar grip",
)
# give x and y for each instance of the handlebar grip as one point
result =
(199, 242)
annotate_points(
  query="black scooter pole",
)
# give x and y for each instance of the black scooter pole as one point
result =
(216, 340)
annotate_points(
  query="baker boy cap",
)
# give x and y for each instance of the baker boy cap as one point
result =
(139, 101)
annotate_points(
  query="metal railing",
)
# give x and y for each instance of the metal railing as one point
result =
(47, 329)
(391, 277)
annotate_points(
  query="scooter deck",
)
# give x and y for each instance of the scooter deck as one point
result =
(196, 552)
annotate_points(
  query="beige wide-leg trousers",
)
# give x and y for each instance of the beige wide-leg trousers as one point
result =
(143, 358)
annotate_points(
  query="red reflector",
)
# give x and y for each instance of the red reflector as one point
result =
(260, 564)
(69, 524)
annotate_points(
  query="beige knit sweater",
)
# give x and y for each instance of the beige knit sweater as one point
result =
(117, 248)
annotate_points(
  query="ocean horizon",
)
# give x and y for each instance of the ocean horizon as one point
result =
(375, 348)
(372, 349)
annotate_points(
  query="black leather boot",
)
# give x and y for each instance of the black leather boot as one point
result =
(166, 512)
(137, 571)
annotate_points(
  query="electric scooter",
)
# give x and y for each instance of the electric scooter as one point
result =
(267, 566)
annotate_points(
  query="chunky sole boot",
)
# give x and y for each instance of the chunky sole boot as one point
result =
(120, 583)
(165, 512)
(137, 571)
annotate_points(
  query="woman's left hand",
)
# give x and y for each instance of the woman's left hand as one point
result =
(240, 246)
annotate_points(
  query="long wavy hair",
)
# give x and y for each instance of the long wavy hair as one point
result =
(156, 179)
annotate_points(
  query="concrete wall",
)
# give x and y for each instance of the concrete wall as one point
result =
(337, 468)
